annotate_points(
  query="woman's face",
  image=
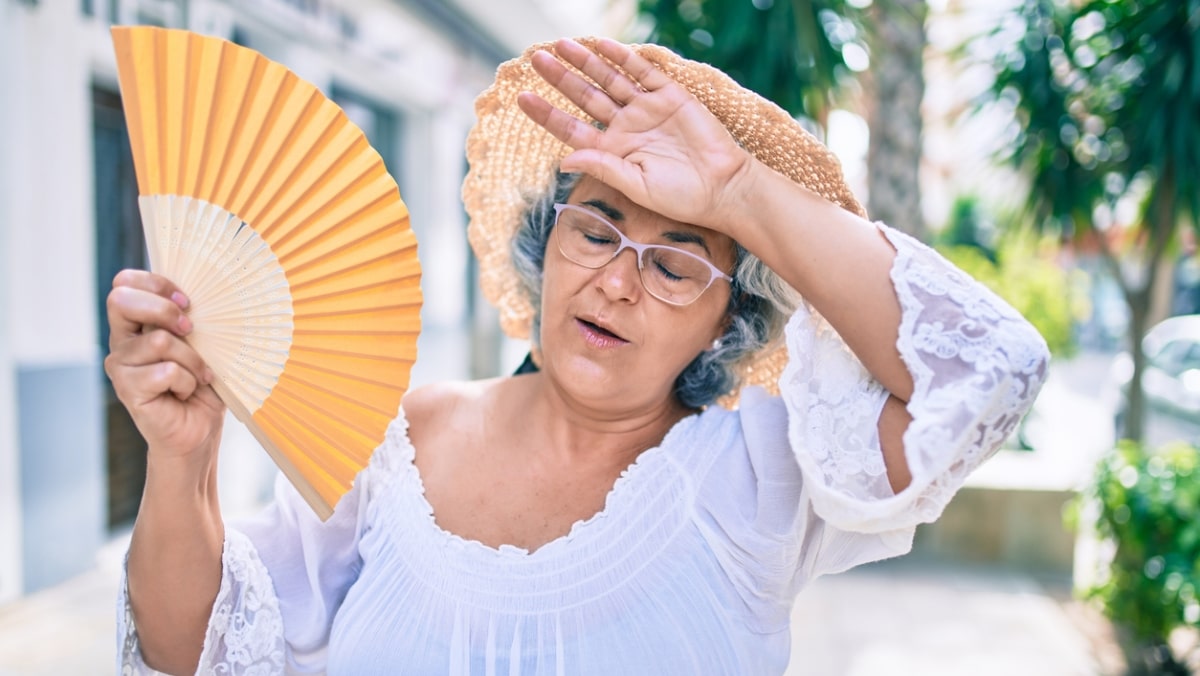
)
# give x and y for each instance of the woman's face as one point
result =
(604, 338)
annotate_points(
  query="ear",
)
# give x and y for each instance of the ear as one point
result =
(723, 325)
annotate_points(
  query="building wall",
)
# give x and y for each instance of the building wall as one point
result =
(10, 532)
(50, 325)
(410, 58)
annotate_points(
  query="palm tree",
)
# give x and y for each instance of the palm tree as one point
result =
(1106, 96)
(789, 51)
(896, 85)
(794, 52)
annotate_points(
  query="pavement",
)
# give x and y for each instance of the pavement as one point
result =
(68, 629)
(898, 617)
(919, 618)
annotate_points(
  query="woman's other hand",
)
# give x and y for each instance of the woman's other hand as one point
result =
(161, 380)
(659, 146)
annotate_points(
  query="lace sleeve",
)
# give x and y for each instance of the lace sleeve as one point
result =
(245, 630)
(284, 576)
(977, 366)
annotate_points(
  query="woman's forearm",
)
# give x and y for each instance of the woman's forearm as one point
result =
(174, 567)
(838, 261)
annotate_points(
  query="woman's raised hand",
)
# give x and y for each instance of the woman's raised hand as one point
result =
(659, 146)
(161, 380)
(175, 552)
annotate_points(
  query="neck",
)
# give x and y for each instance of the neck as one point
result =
(571, 430)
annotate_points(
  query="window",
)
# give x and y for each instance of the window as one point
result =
(119, 244)
(379, 123)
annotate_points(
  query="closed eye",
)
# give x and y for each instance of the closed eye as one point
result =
(666, 272)
(596, 239)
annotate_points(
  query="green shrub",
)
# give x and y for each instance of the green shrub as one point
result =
(1149, 509)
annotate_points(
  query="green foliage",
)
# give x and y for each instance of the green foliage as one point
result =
(969, 226)
(1104, 96)
(1102, 92)
(1025, 274)
(1147, 65)
(1035, 80)
(789, 51)
(1149, 507)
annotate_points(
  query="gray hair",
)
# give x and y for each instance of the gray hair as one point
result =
(759, 303)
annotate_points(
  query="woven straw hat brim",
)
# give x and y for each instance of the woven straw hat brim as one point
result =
(512, 161)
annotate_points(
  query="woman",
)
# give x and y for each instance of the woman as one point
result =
(600, 514)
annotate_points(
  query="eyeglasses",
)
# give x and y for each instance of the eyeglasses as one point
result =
(669, 274)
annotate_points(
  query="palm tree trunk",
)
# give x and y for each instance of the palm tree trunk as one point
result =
(897, 86)
(1162, 212)
(1135, 413)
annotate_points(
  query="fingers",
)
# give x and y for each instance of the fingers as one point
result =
(581, 92)
(140, 298)
(617, 88)
(562, 126)
(154, 283)
(644, 73)
(159, 345)
(145, 364)
(607, 168)
(612, 89)
(153, 363)
(144, 383)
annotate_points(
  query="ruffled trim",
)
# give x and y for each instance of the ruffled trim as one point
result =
(625, 491)
(649, 505)
(129, 654)
(245, 630)
(977, 366)
(840, 400)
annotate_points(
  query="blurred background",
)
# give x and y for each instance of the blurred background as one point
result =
(1048, 147)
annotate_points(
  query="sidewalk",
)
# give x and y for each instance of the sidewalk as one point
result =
(69, 629)
(908, 617)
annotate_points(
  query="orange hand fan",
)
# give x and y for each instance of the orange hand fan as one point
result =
(270, 210)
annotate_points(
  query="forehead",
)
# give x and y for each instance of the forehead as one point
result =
(646, 225)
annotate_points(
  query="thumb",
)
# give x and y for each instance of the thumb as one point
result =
(619, 174)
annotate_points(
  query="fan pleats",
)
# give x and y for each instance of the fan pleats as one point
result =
(272, 212)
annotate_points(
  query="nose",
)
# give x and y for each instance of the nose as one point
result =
(620, 278)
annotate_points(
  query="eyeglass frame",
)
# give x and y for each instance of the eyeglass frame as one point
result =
(638, 248)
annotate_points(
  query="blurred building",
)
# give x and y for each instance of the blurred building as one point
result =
(71, 463)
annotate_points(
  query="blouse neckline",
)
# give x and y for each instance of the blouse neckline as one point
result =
(623, 491)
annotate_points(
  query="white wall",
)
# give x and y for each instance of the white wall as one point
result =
(12, 18)
(49, 213)
(520, 23)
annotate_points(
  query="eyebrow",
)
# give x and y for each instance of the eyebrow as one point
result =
(680, 237)
(606, 209)
(677, 236)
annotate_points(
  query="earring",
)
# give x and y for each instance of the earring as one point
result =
(716, 344)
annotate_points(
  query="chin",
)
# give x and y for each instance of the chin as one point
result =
(584, 379)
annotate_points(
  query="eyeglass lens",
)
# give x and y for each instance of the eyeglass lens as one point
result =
(668, 273)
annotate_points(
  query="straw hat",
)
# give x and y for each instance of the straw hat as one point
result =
(512, 162)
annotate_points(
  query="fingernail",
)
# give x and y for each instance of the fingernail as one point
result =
(185, 324)
(180, 300)
(209, 376)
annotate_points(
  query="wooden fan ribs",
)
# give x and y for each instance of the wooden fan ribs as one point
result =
(268, 207)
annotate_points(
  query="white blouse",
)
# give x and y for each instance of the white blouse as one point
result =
(702, 546)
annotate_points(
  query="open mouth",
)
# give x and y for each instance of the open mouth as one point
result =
(601, 331)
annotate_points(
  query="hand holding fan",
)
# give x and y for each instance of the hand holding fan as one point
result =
(269, 209)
